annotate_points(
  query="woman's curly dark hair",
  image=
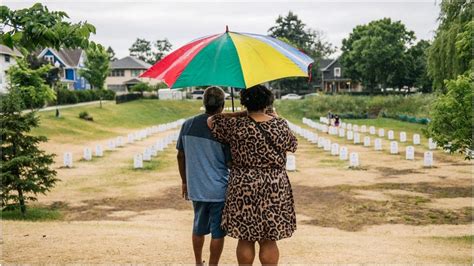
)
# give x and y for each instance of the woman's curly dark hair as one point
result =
(256, 98)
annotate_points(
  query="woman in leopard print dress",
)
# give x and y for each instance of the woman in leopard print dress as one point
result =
(259, 203)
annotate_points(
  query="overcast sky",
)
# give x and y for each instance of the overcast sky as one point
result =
(119, 23)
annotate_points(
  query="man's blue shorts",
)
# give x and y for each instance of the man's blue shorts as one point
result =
(207, 219)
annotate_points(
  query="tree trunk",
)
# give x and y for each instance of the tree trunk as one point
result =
(22, 201)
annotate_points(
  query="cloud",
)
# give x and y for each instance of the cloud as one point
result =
(119, 23)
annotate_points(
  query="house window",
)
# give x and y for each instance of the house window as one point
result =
(117, 73)
(136, 73)
(337, 72)
(7, 58)
(49, 58)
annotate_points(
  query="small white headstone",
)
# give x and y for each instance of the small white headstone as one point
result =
(349, 127)
(381, 132)
(355, 128)
(130, 138)
(366, 141)
(354, 159)
(327, 145)
(363, 128)
(372, 130)
(393, 147)
(325, 128)
(112, 144)
(356, 138)
(154, 150)
(391, 135)
(147, 154)
(410, 153)
(343, 125)
(350, 135)
(378, 144)
(428, 159)
(99, 151)
(68, 159)
(87, 154)
(137, 161)
(343, 153)
(416, 139)
(403, 136)
(321, 141)
(291, 163)
(334, 149)
(431, 144)
(342, 132)
(119, 141)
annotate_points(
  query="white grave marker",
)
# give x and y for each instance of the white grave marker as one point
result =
(356, 138)
(363, 129)
(321, 142)
(137, 161)
(343, 153)
(131, 138)
(342, 133)
(410, 153)
(393, 147)
(381, 132)
(391, 135)
(416, 139)
(327, 145)
(99, 151)
(354, 159)
(111, 144)
(372, 130)
(403, 136)
(119, 141)
(349, 127)
(355, 128)
(68, 159)
(378, 144)
(147, 155)
(343, 125)
(350, 135)
(366, 141)
(428, 159)
(87, 155)
(334, 149)
(431, 144)
(291, 163)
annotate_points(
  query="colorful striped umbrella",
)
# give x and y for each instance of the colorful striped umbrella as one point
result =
(237, 60)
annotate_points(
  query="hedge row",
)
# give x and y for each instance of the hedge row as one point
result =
(407, 118)
(66, 96)
(123, 98)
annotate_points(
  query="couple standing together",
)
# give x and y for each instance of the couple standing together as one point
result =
(232, 167)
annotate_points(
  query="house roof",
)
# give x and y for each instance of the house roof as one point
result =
(326, 63)
(6, 50)
(129, 62)
(132, 81)
(70, 57)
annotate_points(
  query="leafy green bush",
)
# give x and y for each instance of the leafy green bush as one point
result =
(66, 96)
(85, 115)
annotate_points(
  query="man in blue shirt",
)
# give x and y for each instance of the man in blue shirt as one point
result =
(202, 162)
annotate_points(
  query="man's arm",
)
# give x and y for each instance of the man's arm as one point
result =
(182, 172)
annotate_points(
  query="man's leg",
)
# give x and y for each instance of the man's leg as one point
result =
(217, 244)
(245, 252)
(198, 243)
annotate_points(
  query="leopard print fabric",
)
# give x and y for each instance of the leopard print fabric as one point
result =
(259, 201)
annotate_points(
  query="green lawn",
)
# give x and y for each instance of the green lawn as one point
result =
(112, 119)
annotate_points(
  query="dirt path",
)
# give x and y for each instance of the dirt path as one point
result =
(391, 211)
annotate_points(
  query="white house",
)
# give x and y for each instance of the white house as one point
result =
(7, 59)
(125, 72)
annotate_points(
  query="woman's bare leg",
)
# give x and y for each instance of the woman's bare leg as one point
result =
(269, 253)
(245, 252)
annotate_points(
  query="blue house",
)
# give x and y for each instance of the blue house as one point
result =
(69, 61)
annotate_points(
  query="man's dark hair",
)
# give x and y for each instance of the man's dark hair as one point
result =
(256, 98)
(213, 99)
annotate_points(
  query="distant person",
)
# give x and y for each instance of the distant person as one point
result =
(336, 120)
(202, 162)
(329, 118)
(259, 204)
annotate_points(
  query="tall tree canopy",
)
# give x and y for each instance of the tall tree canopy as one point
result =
(96, 66)
(111, 53)
(451, 52)
(34, 28)
(374, 53)
(416, 74)
(145, 51)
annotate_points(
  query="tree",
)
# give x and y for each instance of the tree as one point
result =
(34, 28)
(143, 50)
(162, 48)
(293, 31)
(450, 54)
(25, 168)
(416, 68)
(96, 66)
(30, 84)
(451, 118)
(141, 87)
(111, 53)
(374, 53)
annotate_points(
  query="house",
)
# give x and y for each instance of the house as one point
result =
(333, 79)
(7, 59)
(125, 72)
(70, 61)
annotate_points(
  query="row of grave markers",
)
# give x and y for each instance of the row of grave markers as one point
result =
(119, 141)
(333, 148)
(153, 150)
(228, 109)
(356, 138)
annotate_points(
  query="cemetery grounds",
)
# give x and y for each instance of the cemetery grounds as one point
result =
(387, 210)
